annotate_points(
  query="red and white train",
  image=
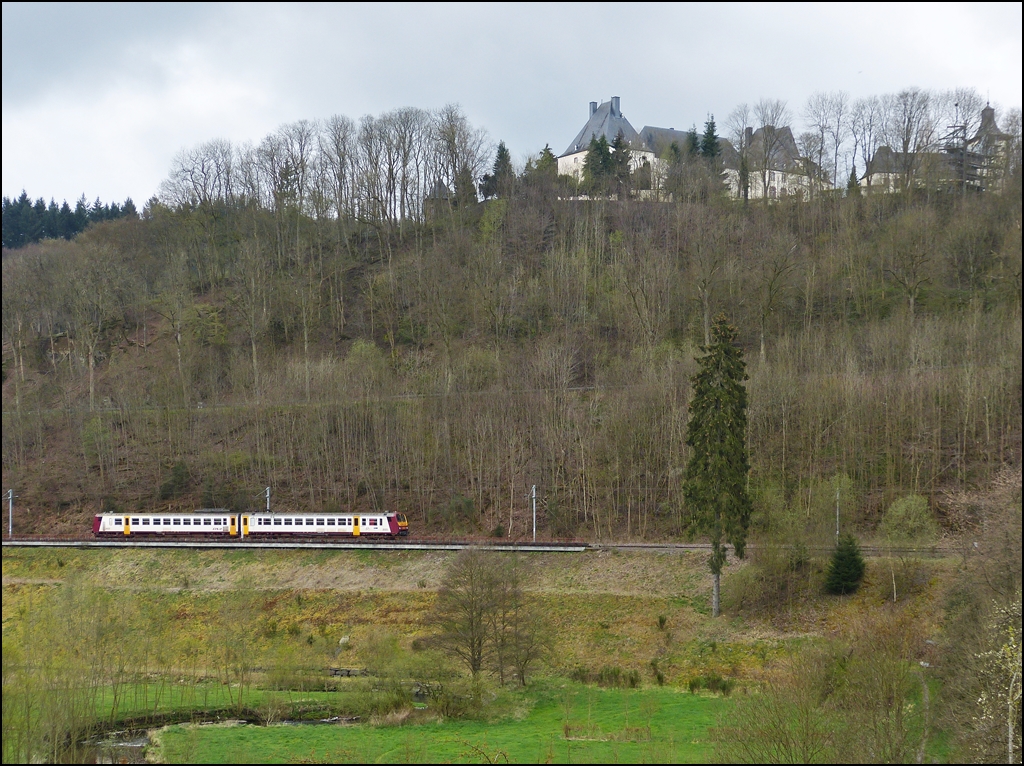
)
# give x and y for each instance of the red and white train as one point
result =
(220, 522)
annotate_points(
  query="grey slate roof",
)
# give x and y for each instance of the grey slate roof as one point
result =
(786, 155)
(885, 160)
(658, 140)
(606, 121)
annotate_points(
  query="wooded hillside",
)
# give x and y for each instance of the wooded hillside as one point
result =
(440, 355)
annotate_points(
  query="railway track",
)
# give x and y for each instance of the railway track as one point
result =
(426, 544)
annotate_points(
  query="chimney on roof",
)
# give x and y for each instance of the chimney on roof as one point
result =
(593, 108)
(615, 106)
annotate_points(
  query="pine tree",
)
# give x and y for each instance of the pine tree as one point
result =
(597, 167)
(846, 569)
(693, 142)
(853, 185)
(547, 163)
(81, 215)
(620, 164)
(502, 175)
(709, 148)
(716, 475)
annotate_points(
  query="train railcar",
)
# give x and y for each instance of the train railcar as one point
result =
(366, 525)
(219, 522)
(214, 522)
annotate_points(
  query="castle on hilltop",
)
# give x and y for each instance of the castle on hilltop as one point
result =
(767, 162)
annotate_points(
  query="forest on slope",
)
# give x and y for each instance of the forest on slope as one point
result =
(285, 316)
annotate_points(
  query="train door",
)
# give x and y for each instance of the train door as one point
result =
(245, 526)
(355, 526)
(127, 525)
(233, 526)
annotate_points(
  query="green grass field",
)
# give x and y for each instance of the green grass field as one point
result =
(651, 725)
(164, 622)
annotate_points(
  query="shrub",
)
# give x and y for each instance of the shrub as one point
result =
(609, 675)
(846, 569)
(659, 675)
(612, 675)
(909, 521)
(459, 514)
(712, 682)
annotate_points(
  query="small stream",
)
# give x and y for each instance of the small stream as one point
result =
(130, 746)
(118, 747)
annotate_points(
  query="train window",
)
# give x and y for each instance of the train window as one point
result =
(309, 522)
(277, 522)
(167, 522)
(187, 522)
(177, 522)
(319, 522)
(330, 522)
(206, 522)
(135, 521)
(287, 522)
(145, 522)
(373, 522)
(119, 522)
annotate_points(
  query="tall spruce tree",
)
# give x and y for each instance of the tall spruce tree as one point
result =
(502, 175)
(709, 148)
(716, 475)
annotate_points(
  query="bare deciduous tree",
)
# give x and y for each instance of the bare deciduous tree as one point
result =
(908, 128)
(866, 127)
(771, 116)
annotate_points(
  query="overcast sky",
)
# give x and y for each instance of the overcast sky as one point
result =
(98, 98)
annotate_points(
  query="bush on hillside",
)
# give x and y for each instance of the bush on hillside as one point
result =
(909, 521)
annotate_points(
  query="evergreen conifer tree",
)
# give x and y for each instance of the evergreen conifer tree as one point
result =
(620, 164)
(693, 142)
(498, 181)
(709, 148)
(853, 186)
(716, 475)
(846, 569)
(597, 167)
(547, 163)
